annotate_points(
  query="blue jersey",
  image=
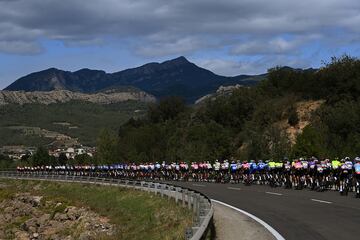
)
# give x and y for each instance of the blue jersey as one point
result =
(357, 168)
(233, 167)
(253, 167)
(262, 166)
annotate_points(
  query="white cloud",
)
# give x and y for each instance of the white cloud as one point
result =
(162, 47)
(231, 67)
(20, 47)
(160, 28)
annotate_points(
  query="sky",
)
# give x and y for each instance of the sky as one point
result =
(228, 37)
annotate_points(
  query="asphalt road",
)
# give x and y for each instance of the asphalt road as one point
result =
(295, 214)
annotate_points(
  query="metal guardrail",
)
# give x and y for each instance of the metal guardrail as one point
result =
(199, 204)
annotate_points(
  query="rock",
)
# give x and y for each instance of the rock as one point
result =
(61, 217)
(82, 222)
(8, 210)
(73, 213)
(85, 236)
(21, 235)
(44, 219)
(36, 200)
(31, 222)
(58, 204)
(62, 96)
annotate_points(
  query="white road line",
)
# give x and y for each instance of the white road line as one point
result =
(199, 185)
(234, 188)
(321, 201)
(274, 193)
(275, 233)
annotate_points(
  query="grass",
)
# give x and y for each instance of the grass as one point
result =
(137, 215)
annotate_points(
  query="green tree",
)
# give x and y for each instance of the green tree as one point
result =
(106, 147)
(41, 157)
(62, 159)
(83, 159)
(293, 118)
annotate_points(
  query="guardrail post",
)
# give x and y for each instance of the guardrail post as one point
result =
(142, 185)
(189, 199)
(169, 192)
(183, 197)
(198, 209)
(156, 188)
(162, 190)
(176, 195)
(188, 233)
(193, 202)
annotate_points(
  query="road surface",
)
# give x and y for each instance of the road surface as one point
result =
(295, 214)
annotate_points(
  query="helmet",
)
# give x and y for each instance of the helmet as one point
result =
(357, 159)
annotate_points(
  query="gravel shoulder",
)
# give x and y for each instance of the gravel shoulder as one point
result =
(232, 225)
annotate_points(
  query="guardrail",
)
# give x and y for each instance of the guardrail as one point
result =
(199, 204)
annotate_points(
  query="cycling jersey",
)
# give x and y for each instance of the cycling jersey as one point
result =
(272, 165)
(335, 164)
(357, 168)
(278, 164)
(233, 167)
(262, 166)
(246, 166)
(253, 167)
(305, 164)
(298, 165)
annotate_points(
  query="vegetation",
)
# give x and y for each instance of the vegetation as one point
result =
(137, 215)
(6, 162)
(85, 120)
(245, 124)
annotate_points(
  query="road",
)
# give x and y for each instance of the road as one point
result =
(294, 214)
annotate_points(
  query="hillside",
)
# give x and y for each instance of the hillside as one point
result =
(174, 77)
(62, 96)
(292, 113)
(37, 124)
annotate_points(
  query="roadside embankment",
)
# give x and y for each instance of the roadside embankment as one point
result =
(48, 210)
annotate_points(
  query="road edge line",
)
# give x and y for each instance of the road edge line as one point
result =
(275, 233)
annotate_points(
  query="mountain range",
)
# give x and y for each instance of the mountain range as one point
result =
(177, 77)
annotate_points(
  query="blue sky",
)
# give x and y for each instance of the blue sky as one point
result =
(229, 37)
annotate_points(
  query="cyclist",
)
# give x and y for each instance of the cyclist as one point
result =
(357, 176)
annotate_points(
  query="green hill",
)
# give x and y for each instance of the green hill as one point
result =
(36, 124)
(292, 113)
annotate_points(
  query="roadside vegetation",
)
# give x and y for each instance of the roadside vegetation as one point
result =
(135, 214)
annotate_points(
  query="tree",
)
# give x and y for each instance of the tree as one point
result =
(83, 159)
(106, 147)
(167, 109)
(293, 119)
(41, 157)
(62, 159)
(6, 162)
